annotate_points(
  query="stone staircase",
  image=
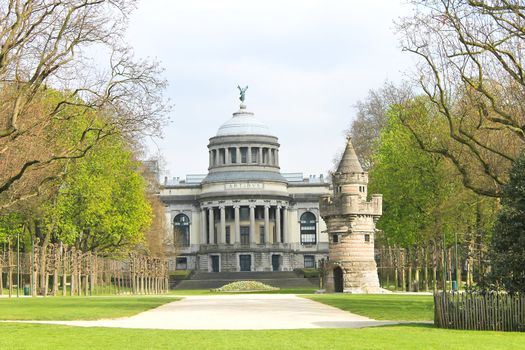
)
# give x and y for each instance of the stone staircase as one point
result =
(281, 279)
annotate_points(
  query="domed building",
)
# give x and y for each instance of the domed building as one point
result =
(244, 214)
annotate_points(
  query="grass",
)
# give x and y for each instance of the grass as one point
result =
(407, 337)
(76, 308)
(382, 306)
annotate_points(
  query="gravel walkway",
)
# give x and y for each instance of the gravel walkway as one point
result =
(244, 311)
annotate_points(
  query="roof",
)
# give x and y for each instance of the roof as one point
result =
(243, 123)
(349, 162)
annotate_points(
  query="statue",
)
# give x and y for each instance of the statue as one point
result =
(242, 92)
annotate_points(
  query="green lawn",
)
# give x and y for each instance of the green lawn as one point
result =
(382, 306)
(77, 308)
(407, 337)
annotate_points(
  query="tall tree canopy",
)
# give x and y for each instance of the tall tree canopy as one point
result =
(508, 241)
(470, 67)
(76, 47)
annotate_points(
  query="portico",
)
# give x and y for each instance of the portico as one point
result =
(244, 215)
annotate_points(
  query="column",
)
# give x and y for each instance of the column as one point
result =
(237, 225)
(211, 223)
(252, 223)
(260, 155)
(267, 224)
(238, 150)
(278, 223)
(277, 157)
(222, 238)
(203, 239)
(286, 238)
(249, 155)
(211, 158)
(227, 158)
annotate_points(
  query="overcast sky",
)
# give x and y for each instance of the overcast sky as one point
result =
(306, 64)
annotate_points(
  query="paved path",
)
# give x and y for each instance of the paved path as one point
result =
(244, 311)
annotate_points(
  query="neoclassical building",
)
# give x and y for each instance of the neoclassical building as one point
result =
(244, 214)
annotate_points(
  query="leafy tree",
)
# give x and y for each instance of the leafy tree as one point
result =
(508, 240)
(102, 205)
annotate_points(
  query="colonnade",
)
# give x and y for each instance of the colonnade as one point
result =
(219, 228)
(244, 155)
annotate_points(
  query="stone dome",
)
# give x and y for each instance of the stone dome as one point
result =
(244, 123)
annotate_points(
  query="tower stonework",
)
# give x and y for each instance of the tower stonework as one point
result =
(350, 219)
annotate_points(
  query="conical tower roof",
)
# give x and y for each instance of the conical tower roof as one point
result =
(349, 162)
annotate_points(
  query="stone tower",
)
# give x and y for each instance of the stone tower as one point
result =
(350, 221)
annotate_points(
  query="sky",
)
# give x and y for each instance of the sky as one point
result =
(307, 63)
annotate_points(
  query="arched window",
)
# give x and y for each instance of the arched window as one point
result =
(308, 228)
(181, 229)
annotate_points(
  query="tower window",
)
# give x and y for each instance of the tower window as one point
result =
(335, 238)
(367, 238)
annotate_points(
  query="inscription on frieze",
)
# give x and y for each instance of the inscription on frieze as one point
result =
(244, 186)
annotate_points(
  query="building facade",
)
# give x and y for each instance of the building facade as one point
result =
(244, 214)
(350, 220)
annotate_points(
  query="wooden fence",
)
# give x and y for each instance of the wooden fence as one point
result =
(476, 311)
(61, 270)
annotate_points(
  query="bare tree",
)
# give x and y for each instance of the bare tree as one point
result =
(371, 117)
(470, 67)
(60, 61)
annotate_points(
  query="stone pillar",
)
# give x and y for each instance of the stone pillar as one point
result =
(286, 238)
(222, 238)
(237, 225)
(249, 155)
(227, 159)
(252, 223)
(203, 239)
(267, 224)
(211, 223)
(238, 150)
(278, 223)
(211, 158)
(276, 157)
(260, 155)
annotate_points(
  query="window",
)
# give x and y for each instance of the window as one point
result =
(367, 238)
(255, 155)
(335, 238)
(245, 235)
(309, 261)
(308, 228)
(265, 155)
(228, 235)
(222, 156)
(244, 155)
(233, 155)
(181, 228)
(181, 264)
(244, 213)
(261, 234)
